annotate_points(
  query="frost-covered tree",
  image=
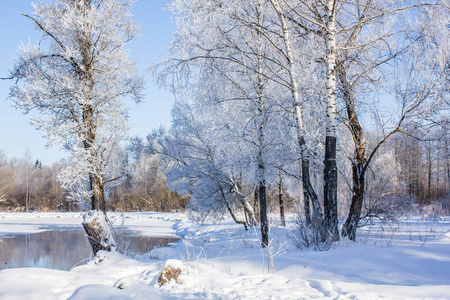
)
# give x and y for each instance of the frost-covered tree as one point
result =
(295, 64)
(385, 56)
(356, 39)
(201, 161)
(223, 46)
(76, 80)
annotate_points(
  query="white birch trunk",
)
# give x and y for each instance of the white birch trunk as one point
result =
(261, 126)
(308, 190)
(330, 169)
(330, 44)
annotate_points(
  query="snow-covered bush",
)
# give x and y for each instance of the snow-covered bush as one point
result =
(436, 209)
(310, 236)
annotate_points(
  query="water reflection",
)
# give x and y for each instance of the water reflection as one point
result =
(63, 249)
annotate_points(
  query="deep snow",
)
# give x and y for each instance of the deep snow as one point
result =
(407, 260)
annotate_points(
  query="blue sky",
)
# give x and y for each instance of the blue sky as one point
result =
(17, 135)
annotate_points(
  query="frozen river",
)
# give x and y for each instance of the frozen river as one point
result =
(63, 249)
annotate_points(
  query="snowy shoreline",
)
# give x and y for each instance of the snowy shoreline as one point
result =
(15, 223)
(409, 260)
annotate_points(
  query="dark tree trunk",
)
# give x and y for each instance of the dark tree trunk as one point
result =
(256, 205)
(351, 224)
(308, 192)
(280, 197)
(358, 169)
(98, 198)
(263, 216)
(330, 188)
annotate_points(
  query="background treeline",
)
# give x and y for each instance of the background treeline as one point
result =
(408, 170)
(27, 185)
(424, 165)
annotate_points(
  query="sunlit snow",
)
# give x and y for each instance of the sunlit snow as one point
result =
(408, 260)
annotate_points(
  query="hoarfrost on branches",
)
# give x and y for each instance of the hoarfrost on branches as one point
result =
(77, 79)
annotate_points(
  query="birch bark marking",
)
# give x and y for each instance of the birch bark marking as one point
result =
(330, 169)
(308, 190)
(262, 119)
(447, 183)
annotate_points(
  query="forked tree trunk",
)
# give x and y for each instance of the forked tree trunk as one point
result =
(233, 216)
(248, 209)
(358, 168)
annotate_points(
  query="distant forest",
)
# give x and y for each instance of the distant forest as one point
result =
(422, 178)
(27, 185)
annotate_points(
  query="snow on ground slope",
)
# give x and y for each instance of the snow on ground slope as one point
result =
(409, 260)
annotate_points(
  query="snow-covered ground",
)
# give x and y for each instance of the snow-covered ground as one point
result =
(409, 260)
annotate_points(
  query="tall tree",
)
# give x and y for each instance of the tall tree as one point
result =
(315, 217)
(367, 53)
(76, 79)
(351, 35)
(226, 40)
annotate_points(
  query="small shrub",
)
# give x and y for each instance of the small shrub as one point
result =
(436, 209)
(310, 236)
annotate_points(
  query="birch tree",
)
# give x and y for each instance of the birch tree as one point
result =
(309, 193)
(77, 79)
(319, 18)
(355, 37)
